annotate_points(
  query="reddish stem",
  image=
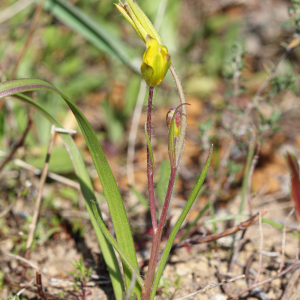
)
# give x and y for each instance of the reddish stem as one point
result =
(149, 163)
(157, 238)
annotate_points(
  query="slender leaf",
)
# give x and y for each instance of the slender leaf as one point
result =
(88, 194)
(96, 34)
(180, 220)
(115, 244)
(110, 188)
(279, 226)
(225, 218)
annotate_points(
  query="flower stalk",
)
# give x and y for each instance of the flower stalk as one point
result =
(150, 167)
(157, 238)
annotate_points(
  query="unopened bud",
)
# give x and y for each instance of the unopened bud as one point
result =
(169, 118)
(156, 62)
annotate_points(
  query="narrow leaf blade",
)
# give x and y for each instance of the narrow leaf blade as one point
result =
(115, 244)
(96, 34)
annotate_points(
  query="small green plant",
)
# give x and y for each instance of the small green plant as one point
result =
(155, 64)
(1, 279)
(169, 287)
(81, 278)
(17, 298)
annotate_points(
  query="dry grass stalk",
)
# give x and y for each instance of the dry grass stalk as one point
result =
(32, 226)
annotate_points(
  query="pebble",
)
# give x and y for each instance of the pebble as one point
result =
(182, 269)
(220, 297)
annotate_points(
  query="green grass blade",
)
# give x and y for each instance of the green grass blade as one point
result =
(114, 243)
(81, 23)
(279, 226)
(180, 220)
(110, 188)
(88, 194)
(225, 218)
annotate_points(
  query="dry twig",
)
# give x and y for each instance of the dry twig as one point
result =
(40, 286)
(278, 275)
(14, 9)
(260, 249)
(211, 286)
(17, 257)
(212, 237)
(283, 240)
(217, 236)
(236, 251)
(32, 226)
(29, 37)
(252, 168)
(30, 287)
(290, 286)
(54, 176)
(20, 142)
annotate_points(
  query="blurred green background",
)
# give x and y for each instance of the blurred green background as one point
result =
(90, 52)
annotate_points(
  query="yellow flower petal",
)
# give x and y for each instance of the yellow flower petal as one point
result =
(167, 64)
(157, 66)
(147, 73)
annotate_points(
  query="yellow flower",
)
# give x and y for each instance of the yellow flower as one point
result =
(156, 60)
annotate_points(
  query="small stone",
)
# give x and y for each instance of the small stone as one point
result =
(7, 245)
(272, 295)
(220, 297)
(182, 269)
(225, 241)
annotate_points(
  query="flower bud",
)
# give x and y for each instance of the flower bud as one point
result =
(169, 118)
(156, 62)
